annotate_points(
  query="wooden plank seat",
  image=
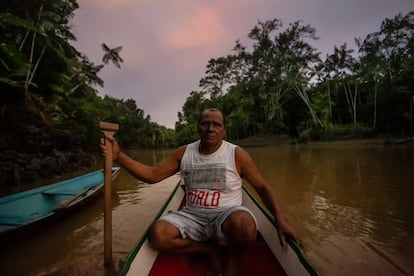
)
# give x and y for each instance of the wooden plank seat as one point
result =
(59, 193)
(66, 190)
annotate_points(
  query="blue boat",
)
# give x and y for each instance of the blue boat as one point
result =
(26, 210)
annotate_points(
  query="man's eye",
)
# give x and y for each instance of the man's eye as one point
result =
(215, 125)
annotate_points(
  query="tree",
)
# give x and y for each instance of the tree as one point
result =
(217, 76)
(322, 102)
(385, 59)
(270, 87)
(342, 64)
(37, 55)
(112, 54)
(298, 58)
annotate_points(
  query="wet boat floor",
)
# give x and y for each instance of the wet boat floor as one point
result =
(260, 261)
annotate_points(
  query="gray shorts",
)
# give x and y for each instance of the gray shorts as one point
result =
(202, 226)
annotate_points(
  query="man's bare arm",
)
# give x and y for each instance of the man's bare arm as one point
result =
(148, 174)
(249, 171)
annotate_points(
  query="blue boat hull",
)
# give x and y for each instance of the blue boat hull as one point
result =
(29, 209)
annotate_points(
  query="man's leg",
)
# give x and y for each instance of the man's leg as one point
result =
(241, 231)
(165, 237)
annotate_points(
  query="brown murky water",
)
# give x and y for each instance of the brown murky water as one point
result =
(351, 202)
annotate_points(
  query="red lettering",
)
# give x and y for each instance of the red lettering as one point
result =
(215, 199)
(191, 197)
(200, 195)
(204, 198)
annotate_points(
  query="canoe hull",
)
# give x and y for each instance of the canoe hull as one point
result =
(265, 258)
(29, 210)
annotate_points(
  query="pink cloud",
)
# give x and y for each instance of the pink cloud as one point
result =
(167, 43)
(195, 29)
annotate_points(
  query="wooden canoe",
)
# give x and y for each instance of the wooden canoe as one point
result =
(265, 258)
(29, 209)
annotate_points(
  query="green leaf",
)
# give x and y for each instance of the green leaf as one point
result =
(7, 18)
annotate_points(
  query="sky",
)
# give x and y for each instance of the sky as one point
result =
(167, 43)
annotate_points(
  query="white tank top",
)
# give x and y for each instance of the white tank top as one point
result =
(211, 181)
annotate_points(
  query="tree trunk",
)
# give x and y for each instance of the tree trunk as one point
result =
(375, 104)
(304, 96)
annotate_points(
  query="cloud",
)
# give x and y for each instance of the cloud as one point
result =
(168, 43)
(194, 30)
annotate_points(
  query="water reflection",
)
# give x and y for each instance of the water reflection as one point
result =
(352, 203)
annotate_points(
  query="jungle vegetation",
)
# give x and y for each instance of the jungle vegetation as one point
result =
(281, 84)
(44, 77)
(278, 84)
(49, 101)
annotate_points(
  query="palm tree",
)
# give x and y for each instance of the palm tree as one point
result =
(320, 73)
(342, 65)
(298, 61)
(35, 39)
(112, 55)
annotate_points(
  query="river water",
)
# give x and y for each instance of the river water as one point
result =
(351, 202)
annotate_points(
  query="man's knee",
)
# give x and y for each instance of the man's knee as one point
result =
(240, 228)
(161, 233)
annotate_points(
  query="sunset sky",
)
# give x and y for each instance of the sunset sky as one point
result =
(168, 43)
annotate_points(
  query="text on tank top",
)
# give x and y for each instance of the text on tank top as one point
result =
(212, 181)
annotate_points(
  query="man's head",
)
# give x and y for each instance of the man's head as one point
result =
(200, 117)
(211, 127)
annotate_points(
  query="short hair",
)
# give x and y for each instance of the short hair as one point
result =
(212, 109)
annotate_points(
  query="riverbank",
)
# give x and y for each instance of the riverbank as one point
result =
(261, 141)
(32, 149)
(23, 172)
(38, 155)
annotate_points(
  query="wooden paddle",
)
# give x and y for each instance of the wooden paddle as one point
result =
(108, 129)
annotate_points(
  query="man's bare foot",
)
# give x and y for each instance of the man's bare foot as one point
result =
(211, 273)
(215, 264)
(233, 266)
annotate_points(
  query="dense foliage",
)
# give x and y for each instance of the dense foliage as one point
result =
(281, 85)
(42, 73)
(50, 107)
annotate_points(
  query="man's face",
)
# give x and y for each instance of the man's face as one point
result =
(211, 128)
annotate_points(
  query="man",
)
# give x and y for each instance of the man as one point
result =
(212, 170)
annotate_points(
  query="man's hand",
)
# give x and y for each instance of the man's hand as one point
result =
(115, 147)
(286, 231)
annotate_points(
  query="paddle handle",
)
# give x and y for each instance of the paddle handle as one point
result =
(109, 130)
